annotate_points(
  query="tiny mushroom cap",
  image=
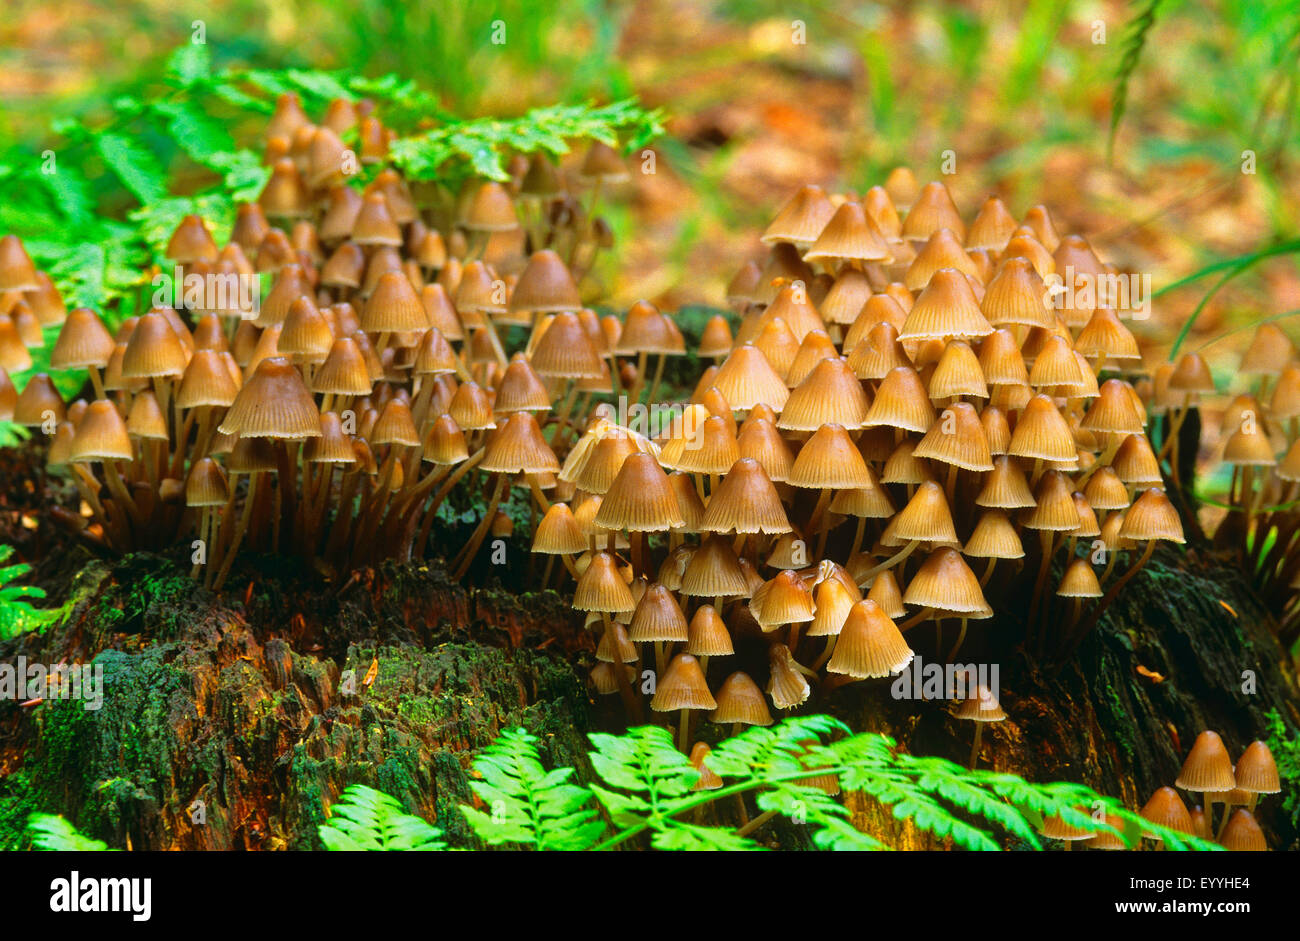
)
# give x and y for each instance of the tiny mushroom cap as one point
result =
(828, 460)
(1054, 828)
(786, 684)
(682, 687)
(741, 701)
(1242, 834)
(601, 587)
(926, 517)
(206, 485)
(714, 571)
(17, 273)
(1208, 769)
(640, 499)
(545, 285)
(101, 435)
(658, 617)
(1269, 352)
(519, 448)
(394, 307)
(1152, 516)
(1017, 296)
(709, 780)
(273, 403)
(931, 210)
(801, 219)
(615, 646)
(1113, 410)
(1249, 446)
(707, 635)
(885, 592)
(869, 644)
(945, 582)
(983, 706)
(830, 393)
(957, 438)
(901, 402)
(559, 533)
(1079, 581)
(994, 537)
(745, 502)
(1191, 375)
(38, 401)
(154, 349)
(946, 309)
(834, 600)
(1042, 433)
(83, 341)
(1256, 771)
(746, 379)
(333, 446)
(191, 241)
(780, 601)
(1166, 809)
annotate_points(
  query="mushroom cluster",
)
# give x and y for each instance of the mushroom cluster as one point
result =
(1210, 772)
(330, 415)
(904, 397)
(1260, 443)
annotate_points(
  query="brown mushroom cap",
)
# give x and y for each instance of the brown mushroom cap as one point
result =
(1167, 809)
(741, 701)
(1256, 771)
(273, 403)
(869, 644)
(101, 435)
(1208, 768)
(682, 687)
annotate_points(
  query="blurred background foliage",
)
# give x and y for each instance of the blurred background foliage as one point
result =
(1022, 92)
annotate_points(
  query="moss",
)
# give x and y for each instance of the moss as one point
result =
(15, 805)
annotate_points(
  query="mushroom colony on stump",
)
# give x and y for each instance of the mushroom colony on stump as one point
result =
(898, 424)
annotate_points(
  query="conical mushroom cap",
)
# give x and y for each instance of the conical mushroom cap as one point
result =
(849, 235)
(641, 499)
(746, 379)
(945, 582)
(206, 485)
(745, 502)
(682, 687)
(957, 438)
(1079, 581)
(833, 600)
(394, 307)
(946, 309)
(926, 517)
(932, 210)
(1152, 516)
(154, 349)
(601, 587)
(518, 447)
(1113, 411)
(1042, 433)
(831, 394)
(17, 273)
(1256, 771)
(941, 250)
(709, 448)
(828, 460)
(714, 571)
(901, 402)
(1208, 768)
(994, 538)
(869, 645)
(545, 285)
(983, 706)
(558, 533)
(958, 373)
(1269, 352)
(101, 435)
(83, 341)
(760, 440)
(1017, 295)
(885, 592)
(1054, 509)
(740, 701)
(658, 617)
(780, 601)
(1243, 834)
(564, 351)
(843, 303)
(1166, 809)
(708, 635)
(802, 219)
(993, 226)
(273, 403)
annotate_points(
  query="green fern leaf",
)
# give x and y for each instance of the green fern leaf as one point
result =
(365, 819)
(134, 165)
(52, 833)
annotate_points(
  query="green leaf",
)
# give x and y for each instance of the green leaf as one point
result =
(134, 165)
(189, 63)
(365, 819)
(48, 832)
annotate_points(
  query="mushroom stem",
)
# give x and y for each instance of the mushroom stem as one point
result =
(1111, 595)
(961, 636)
(757, 822)
(684, 732)
(254, 480)
(476, 540)
(889, 563)
(658, 377)
(988, 572)
(1045, 537)
(975, 748)
(916, 619)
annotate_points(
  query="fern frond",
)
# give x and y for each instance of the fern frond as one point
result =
(53, 833)
(528, 805)
(366, 819)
